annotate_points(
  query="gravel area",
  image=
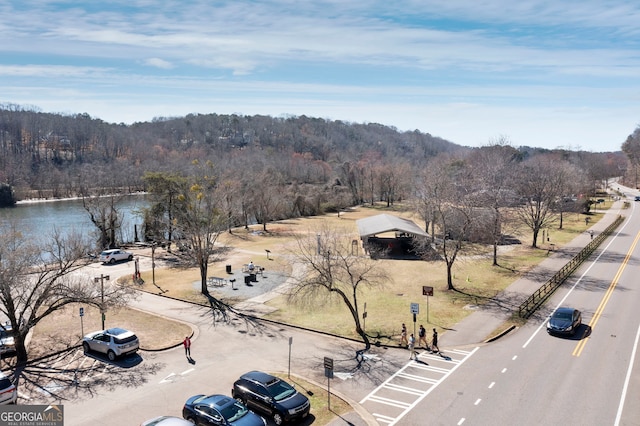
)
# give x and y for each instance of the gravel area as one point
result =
(265, 282)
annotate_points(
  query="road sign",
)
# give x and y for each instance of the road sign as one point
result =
(415, 308)
(328, 363)
(427, 291)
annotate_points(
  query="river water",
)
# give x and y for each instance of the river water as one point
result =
(39, 219)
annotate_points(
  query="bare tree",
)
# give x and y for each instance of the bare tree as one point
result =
(631, 147)
(332, 269)
(539, 184)
(444, 192)
(165, 189)
(36, 281)
(199, 221)
(492, 169)
(104, 214)
(267, 197)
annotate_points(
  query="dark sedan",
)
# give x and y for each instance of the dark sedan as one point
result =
(219, 410)
(564, 321)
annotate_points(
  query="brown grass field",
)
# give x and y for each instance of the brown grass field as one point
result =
(474, 276)
(387, 307)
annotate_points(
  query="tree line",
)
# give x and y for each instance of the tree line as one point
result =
(208, 174)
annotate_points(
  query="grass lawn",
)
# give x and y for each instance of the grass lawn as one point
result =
(388, 307)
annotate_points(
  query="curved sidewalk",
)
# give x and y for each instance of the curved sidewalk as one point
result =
(488, 318)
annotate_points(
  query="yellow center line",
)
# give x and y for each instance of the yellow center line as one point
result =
(583, 342)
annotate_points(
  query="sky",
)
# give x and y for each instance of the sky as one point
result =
(549, 74)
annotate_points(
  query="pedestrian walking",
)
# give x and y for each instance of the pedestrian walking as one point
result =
(422, 337)
(591, 233)
(434, 342)
(403, 336)
(187, 346)
(412, 347)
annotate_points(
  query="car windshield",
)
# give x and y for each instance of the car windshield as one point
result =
(562, 315)
(234, 411)
(281, 390)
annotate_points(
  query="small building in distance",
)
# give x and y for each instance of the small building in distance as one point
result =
(390, 236)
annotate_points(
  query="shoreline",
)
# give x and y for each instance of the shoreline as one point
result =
(53, 200)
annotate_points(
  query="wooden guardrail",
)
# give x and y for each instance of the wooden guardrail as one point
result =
(533, 302)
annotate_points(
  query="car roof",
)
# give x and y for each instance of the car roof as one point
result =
(565, 309)
(116, 331)
(259, 376)
(217, 400)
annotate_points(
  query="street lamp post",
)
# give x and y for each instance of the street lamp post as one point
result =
(101, 278)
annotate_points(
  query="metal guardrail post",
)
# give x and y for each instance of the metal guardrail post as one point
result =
(530, 305)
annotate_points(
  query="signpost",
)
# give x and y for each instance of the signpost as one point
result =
(290, 343)
(415, 310)
(81, 321)
(364, 317)
(328, 371)
(101, 279)
(427, 291)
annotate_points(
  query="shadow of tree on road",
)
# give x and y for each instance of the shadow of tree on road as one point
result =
(70, 375)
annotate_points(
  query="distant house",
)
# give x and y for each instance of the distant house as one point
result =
(386, 235)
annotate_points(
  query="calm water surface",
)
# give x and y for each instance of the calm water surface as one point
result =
(39, 219)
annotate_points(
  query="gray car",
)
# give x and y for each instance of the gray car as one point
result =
(564, 321)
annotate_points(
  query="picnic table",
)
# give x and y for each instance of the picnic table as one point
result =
(216, 281)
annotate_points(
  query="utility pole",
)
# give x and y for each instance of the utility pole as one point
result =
(102, 278)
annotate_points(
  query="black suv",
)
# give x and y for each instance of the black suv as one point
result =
(271, 396)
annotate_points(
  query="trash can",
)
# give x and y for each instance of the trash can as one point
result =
(228, 269)
(253, 278)
(247, 279)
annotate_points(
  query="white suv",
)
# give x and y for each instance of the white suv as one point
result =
(7, 343)
(115, 255)
(8, 391)
(113, 342)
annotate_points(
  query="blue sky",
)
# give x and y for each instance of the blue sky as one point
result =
(539, 73)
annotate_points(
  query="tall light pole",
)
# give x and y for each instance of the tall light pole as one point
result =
(101, 278)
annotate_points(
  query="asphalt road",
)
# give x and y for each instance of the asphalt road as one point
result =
(531, 378)
(525, 378)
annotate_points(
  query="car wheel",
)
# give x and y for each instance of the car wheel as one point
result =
(111, 355)
(192, 420)
(112, 261)
(277, 419)
(130, 257)
(85, 347)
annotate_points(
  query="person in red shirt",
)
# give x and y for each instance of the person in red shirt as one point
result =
(187, 346)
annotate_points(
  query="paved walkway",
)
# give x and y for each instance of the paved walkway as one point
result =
(477, 326)
(470, 331)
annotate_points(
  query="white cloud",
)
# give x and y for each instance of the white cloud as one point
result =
(466, 71)
(159, 63)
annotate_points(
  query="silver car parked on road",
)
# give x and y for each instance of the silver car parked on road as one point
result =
(113, 342)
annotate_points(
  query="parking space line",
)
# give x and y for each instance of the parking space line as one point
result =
(381, 418)
(392, 386)
(390, 401)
